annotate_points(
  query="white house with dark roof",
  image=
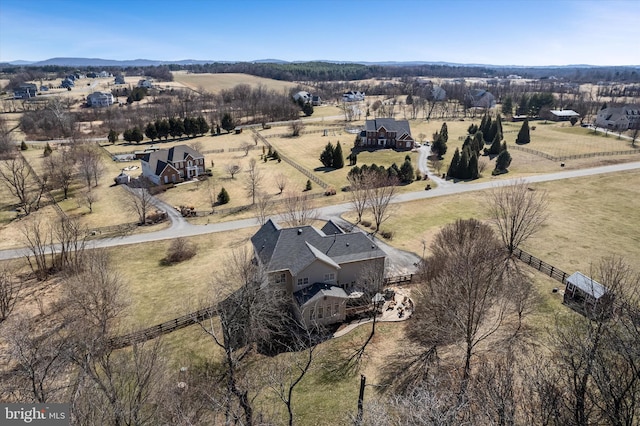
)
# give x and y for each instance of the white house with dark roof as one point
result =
(100, 99)
(172, 165)
(320, 269)
(386, 133)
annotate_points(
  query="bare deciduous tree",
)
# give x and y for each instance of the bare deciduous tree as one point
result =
(61, 169)
(38, 239)
(10, 288)
(140, 201)
(18, 177)
(254, 180)
(89, 162)
(246, 147)
(247, 319)
(71, 238)
(380, 194)
(466, 295)
(7, 142)
(281, 181)
(90, 197)
(233, 169)
(263, 207)
(358, 193)
(518, 211)
(296, 127)
(299, 210)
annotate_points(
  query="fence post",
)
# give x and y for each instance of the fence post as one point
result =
(551, 272)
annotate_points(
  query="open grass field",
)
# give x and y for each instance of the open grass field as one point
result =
(589, 218)
(214, 83)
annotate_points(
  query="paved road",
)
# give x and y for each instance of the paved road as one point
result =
(181, 228)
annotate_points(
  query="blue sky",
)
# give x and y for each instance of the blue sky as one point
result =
(517, 32)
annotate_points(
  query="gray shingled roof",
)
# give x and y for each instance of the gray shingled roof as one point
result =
(308, 294)
(398, 126)
(587, 285)
(293, 249)
(159, 159)
(331, 228)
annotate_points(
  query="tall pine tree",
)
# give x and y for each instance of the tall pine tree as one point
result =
(338, 158)
(455, 161)
(523, 135)
(326, 157)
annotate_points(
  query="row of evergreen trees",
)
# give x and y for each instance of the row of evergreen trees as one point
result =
(404, 173)
(174, 127)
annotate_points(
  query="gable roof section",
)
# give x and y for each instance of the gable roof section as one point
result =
(390, 124)
(159, 159)
(181, 152)
(587, 285)
(295, 248)
(331, 228)
(316, 290)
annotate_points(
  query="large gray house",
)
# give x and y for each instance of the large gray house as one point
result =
(320, 269)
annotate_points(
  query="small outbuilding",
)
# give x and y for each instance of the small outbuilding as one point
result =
(122, 179)
(563, 114)
(587, 294)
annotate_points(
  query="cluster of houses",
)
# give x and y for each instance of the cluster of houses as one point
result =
(353, 96)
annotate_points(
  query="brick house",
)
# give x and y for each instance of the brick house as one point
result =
(386, 133)
(172, 165)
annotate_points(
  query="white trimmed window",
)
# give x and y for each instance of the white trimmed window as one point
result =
(330, 277)
(320, 312)
(281, 278)
(303, 281)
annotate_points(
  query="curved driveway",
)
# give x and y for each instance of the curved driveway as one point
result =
(181, 228)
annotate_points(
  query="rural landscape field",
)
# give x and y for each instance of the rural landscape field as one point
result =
(374, 239)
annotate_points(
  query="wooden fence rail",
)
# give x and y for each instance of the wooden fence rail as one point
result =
(541, 265)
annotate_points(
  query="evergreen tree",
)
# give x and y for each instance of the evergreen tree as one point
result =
(163, 128)
(409, 100)
(176, 127)
(523, 105)
(308, 187)
(473, 166)
(486, 129)
(406, 172)
(150, 131)
(136, 135)
(23, 146)
(493, 131)
(455, 161)
(47, 150)
(393, 171)
(338, 159)
(223, 196)
(439, 146)
(444, 133)
(227, 122)
(473, 128)
(495, 147)
(502, 162)
(507, 106)
(203, 126)
(307, 109)
(113, 136)
(326, 156)
(523, 134)
(604, 106)
(477, 143)
(463, 166)
(190, 127)
(127, 135)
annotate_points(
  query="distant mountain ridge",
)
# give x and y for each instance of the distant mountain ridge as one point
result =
(98, 62)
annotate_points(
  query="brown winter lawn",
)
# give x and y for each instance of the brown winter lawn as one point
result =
(215, 83)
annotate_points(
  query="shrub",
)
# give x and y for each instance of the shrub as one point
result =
(47, 150)
(179, 251)
(223, 196)
(23, 146)
(365, 223)
(330, 191)
(387, 235)
(308, 187)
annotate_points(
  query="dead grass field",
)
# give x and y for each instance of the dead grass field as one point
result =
(215, 83)
(589, 218)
